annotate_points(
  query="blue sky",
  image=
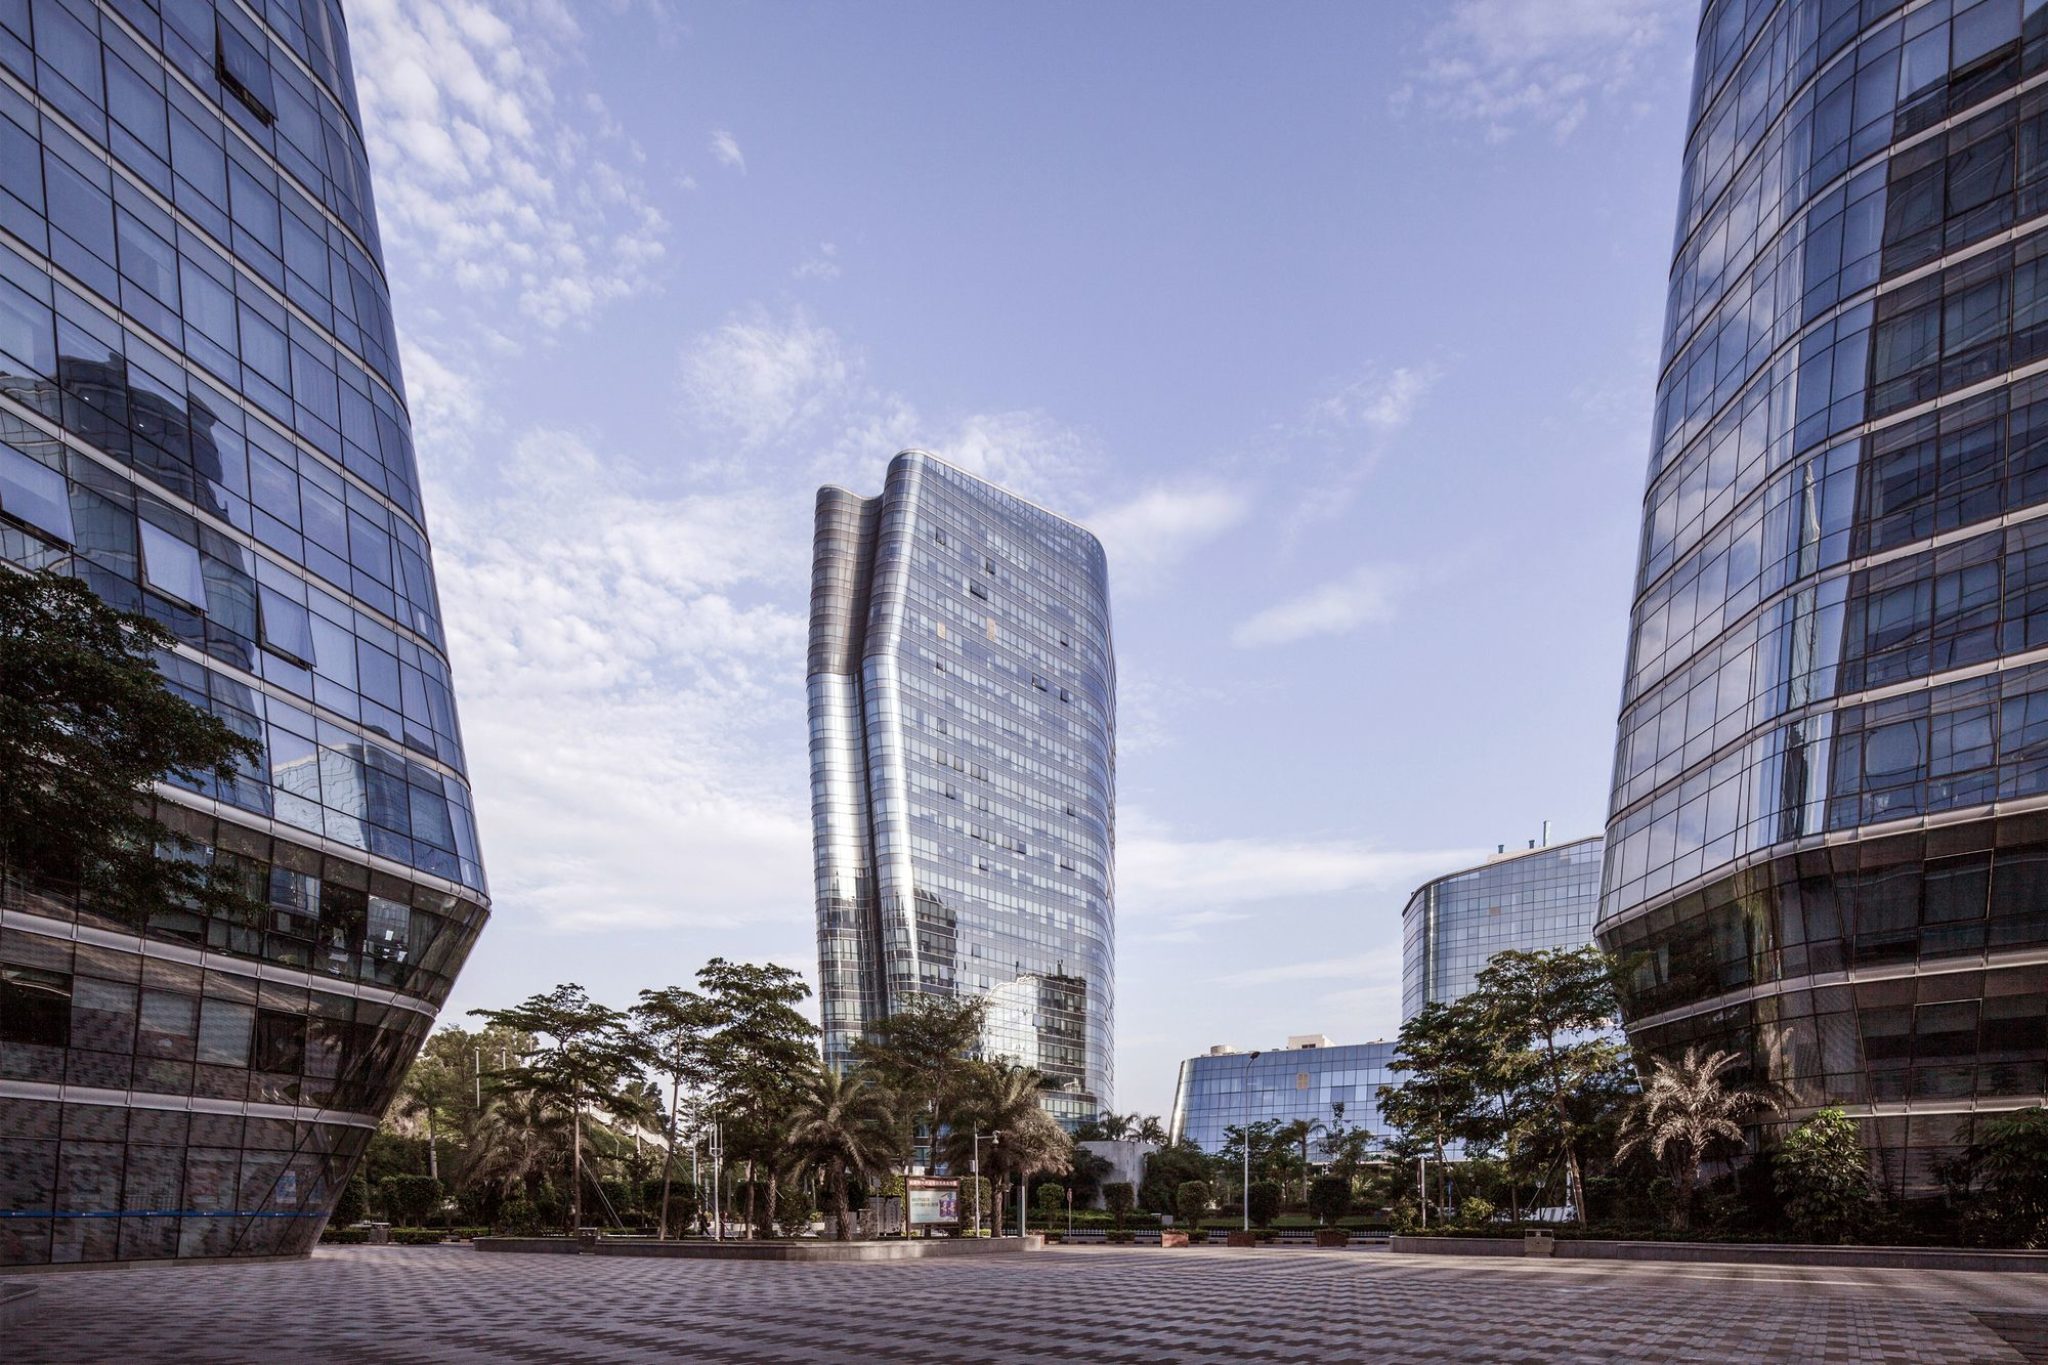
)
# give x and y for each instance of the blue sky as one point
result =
(1338, 322)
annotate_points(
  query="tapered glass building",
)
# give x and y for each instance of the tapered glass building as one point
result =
(963, 769)
(201, 416)
(1829, 838)
(1519, 900)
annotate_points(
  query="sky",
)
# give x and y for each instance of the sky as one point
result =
(1338, 323)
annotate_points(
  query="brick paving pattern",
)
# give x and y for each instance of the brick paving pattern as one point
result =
(453, 1304)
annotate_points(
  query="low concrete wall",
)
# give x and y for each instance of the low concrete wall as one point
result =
(1457, 1246)
(893, 1250)
(1740, 1253)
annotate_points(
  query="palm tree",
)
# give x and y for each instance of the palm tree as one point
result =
(1685, 1112)
(998, 1097)
(1150, 1129)
(516, 1145)
(1115, 1127)
(843, 1123)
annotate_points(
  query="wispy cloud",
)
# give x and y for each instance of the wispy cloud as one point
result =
(761, 376)
(1363, 597)
(479, 178)
(822, 264)
(1361, 967)
(624, 648)
(725, 149)
(1379, 402)
(1165, 872)
(1514, 64)
(1152, 531)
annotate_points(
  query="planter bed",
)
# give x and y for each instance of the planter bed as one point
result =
(807, 1249)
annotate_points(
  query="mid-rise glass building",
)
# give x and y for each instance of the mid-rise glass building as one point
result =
(202, 417)
(1312, 1079)
(963, 769)
(1828, 845)
(1544, 896)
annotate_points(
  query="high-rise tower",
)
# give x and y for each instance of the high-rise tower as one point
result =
(201, 416)
(963, 764)
(1829, 839)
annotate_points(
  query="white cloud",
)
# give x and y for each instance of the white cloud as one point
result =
(1376, 402)
(1162, 873)
(476, 176)
(823, 264)
(625, 651)
(726, 151)
(762, 378)
(1507, 64)
(1363, 967)
(1363, 597)
(1148, 534)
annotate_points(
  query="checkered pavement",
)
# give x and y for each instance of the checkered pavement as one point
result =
(405, 1305)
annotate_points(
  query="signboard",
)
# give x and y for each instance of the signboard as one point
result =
(933, 1200)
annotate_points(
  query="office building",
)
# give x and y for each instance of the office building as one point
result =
(1829, 833)
(202, 417)
(963, 761)
(1525, 899)
(1311, 1078)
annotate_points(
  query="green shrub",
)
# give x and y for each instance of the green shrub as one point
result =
(1823, 1178)
(1051, 1200)
(335, 1236)
(409, 1198)
(1329, 1198)
(416, 1237)
(353, 1203)
(793, 1208)
(2012, 1156)
(1120, 1198)
(1475, 1212)
(1190, 1202)
(1264, 1202)
(1120, 1236)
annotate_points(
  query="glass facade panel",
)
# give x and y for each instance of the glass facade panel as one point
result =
(1336, 1086)
(1825, 780)
(1524, 901)
(963, 758)
(201, 416)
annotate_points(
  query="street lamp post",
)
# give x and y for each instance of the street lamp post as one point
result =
(717, 1158)
(994, 1140)
(1246, 1190)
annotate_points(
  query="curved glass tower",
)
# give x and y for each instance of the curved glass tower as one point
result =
(1522, 900)
(1829, 838)
(201, 416)
(963, 769)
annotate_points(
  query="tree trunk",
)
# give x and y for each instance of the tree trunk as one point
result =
(841, 1232)
(998, 1191)
(668, 1160)
(750, 1199)
(768, 1215)
(575, 1167)
(1688, 1180)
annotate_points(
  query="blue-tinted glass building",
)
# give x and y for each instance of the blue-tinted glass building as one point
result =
(1337, 1086)
(1528, 899)
(962, 693)
(1828, 845)
(201, 416)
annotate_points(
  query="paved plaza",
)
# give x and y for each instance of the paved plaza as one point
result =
(454, 1304)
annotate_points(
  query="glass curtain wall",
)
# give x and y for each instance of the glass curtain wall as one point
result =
(202, 417)
(1523, 901)
(962, 691)
(1828, 841)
